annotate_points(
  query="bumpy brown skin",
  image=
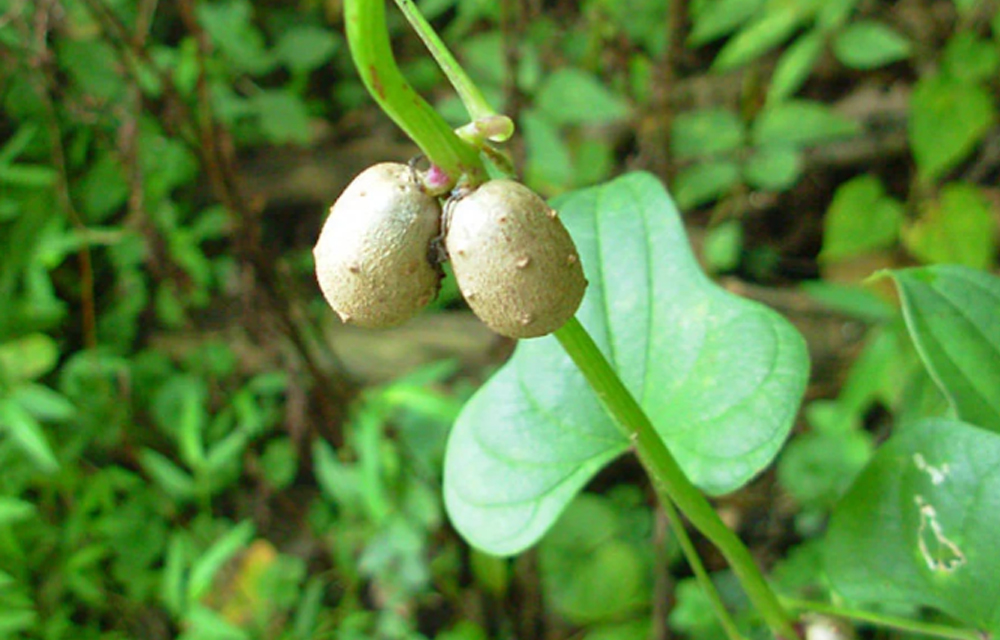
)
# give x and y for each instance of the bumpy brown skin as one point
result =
(514, 261)
(372, 255)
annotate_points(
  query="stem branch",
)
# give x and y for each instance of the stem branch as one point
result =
(667, 475)
(694, 561)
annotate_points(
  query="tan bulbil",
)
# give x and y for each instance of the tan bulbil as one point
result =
(372, 256)
(514, 261)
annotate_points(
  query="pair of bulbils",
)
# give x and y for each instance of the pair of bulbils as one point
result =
(379, 253)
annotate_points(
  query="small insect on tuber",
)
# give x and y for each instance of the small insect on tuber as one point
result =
(373, 255)
(513, 260)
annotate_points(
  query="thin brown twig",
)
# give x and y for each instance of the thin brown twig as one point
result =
(662, 580)
(44, 81)
(210, 141)
(220, 163)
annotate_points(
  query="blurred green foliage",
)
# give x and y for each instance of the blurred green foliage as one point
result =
(161, 478)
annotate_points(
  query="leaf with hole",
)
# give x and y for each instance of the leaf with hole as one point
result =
(720, 377)
(919, 525)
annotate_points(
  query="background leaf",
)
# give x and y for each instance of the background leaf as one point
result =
(868, 44)
(951, 313)
(759, 37)
(704, 182)
(720, 377)
(919, 525)
(801, 122)
(861, 218)
(948, 118)
(705, 132)
(795, 65)
(958, 226)
(573, 96)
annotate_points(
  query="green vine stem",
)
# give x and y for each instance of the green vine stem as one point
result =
(667, 475)
(694, 561)
(368, 40)
(468, 92)
(877, 619)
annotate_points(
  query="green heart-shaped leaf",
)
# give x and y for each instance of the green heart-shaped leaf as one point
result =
(919, 525)
(719, 376)
(952, 314)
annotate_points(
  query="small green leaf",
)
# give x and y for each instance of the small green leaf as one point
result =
(93, 66)
(767, 32)
(969, 57)
(919, 525)
(574, 96)
(867, 44)
(15, 621)
(795, 65)
(171, 478)
(593, 162)
(18, 143)
(305, 47)
(27, 175)
(720, 377)
(958, 227)
(283, 117)
(103, 189)
(693, 613)
(28, 434)
(850, 300)
(948, 118)
(549, 167)
(799, 123)
(173, 581)
(204, 569)
(817, 467)
(723, 245)
(704, 182)
(589, 571)
(205, 624)
(339, 481)
(13, 510)
(605, 584)
(773, 167)
(28, 358)
(230, 25)
(951, 313)
(861, 218)
(43, 403)
(706, 132)
(279, 462)
(712, 20)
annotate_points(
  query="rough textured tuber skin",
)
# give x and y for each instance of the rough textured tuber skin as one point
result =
(372, 257)
(514, 261)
